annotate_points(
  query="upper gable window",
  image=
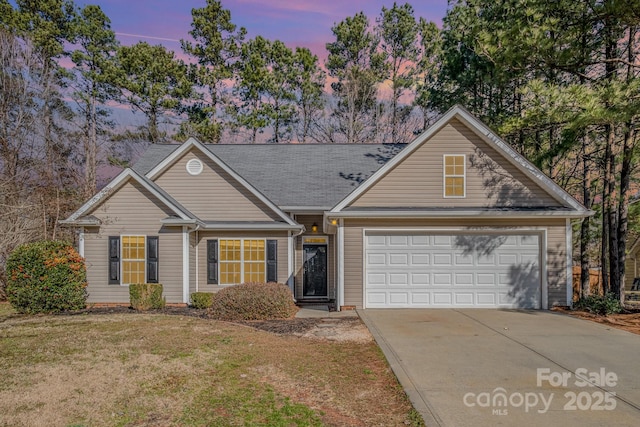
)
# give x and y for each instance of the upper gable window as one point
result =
(454, 175)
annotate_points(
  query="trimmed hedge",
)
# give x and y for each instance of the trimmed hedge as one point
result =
(201, 299)
(146, 296)
(46, 277)
(254, 301)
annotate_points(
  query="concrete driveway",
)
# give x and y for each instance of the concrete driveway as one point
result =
(512, 368)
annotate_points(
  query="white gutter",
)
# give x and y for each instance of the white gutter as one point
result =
(458, 214)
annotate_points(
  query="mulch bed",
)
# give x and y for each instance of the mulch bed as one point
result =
(282, 327)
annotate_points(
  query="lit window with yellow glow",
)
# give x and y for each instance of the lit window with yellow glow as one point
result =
(133, 259)
(242, 261)
(454, 176)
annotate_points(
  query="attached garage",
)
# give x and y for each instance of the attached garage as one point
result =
(432, 269)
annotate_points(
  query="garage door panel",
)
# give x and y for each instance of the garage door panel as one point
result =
(420, 259)
(398, 240)
(464, 298)
(399, 279)
(420, 298)
(442, 259)
(463, 279)
(420, 279)
(442, 298)
(485, 299)
(462, 259)
(507, 259)
(373, 241)
(376, 299)
(423, 270)
(399, 259)
(376, 259)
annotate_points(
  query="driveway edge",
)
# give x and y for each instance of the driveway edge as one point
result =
(418, 401)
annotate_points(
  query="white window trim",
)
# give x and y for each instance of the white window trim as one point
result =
(129, 259)
(242, 240)
(445, 176)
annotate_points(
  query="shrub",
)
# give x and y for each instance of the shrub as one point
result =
(46, 277)
(254, 301)
(201, 299)
(600, 304)
(146, 296)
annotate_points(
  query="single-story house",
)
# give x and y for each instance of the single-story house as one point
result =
(456, 218)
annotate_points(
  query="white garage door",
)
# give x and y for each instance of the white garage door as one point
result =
(461, 270)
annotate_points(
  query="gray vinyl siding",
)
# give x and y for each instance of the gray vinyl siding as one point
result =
(214, 194)
(308, 221)
(491, 180)
(203, 236)
(131, 210)
(556, 249)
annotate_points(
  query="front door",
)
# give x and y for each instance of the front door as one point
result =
(314, 283)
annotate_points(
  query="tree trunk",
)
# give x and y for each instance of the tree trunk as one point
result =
(585, 226)
(610, 250)
(623, 210)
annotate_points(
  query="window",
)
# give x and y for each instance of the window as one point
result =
(454, 176)
(133, 259)
(230, 261)
(254, 265)
(239, 261)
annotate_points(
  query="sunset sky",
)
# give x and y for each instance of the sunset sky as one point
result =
(304, 23)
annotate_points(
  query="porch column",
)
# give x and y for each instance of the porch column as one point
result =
(185, 264)
(290, 258)
(340, 265)
(569, 244)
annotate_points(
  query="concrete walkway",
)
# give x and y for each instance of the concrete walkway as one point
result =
(322, 311)
(512, 368)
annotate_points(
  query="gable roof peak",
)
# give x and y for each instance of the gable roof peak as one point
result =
(490, 137)
(194, 143)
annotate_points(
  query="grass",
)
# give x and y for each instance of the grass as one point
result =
(152, 369)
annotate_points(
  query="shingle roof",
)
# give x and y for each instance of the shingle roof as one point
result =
(301, 175)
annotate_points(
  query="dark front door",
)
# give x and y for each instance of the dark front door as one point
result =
(315, 271)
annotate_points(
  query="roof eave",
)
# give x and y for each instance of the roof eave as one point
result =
(177, 222)
(388, 214)
(247, 226)
(80, 223)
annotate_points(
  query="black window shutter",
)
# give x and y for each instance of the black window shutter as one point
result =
(114, 260)
(272, 260)
(212, 262)
(152, 259)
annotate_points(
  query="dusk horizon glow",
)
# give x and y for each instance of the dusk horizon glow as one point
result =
(303, 23)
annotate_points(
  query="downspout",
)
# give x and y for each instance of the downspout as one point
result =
(81, 241)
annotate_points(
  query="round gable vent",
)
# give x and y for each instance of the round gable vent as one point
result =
(194, 167)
